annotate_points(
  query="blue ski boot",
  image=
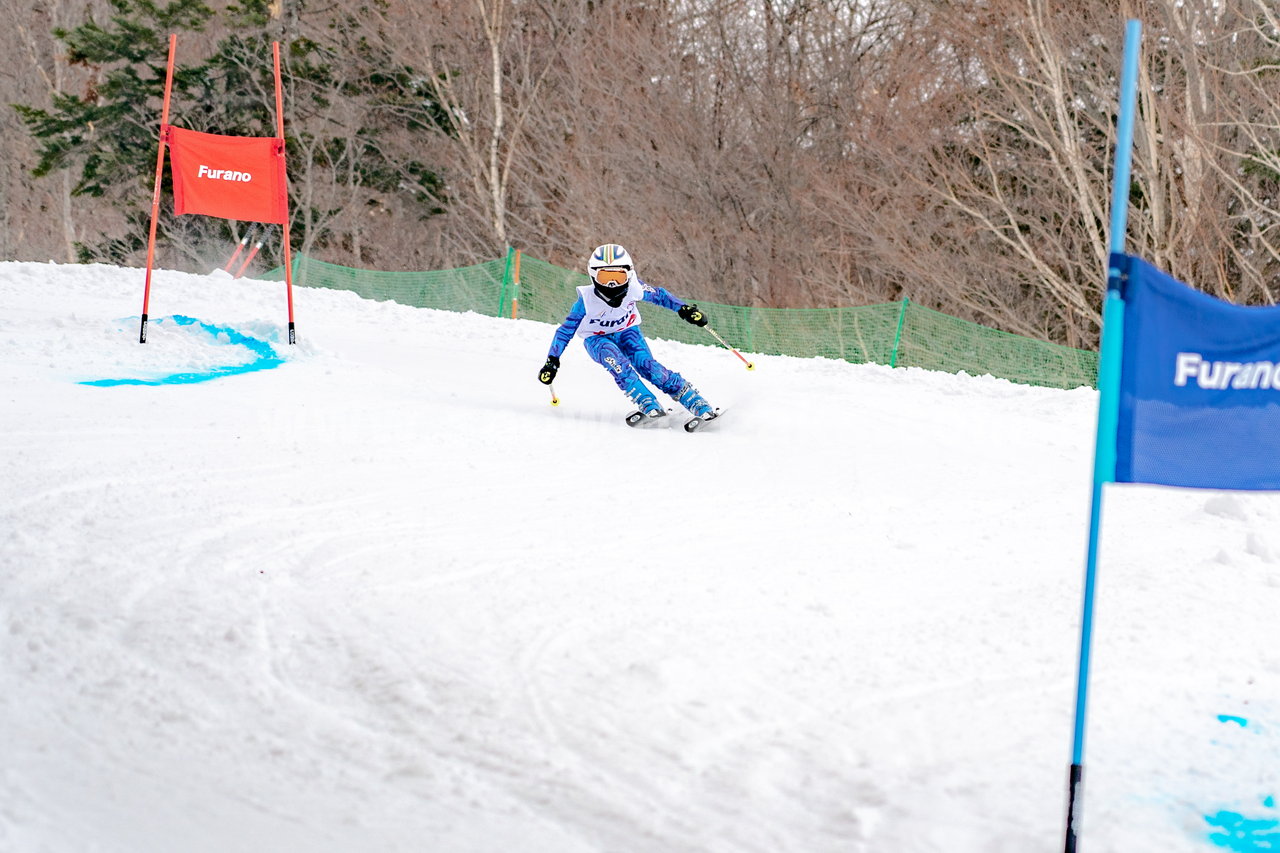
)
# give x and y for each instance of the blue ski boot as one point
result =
(650, 412)
(693, 401)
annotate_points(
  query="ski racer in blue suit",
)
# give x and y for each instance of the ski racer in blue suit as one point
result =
(606, 318)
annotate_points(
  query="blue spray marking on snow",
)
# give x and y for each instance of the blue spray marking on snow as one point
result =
(266, 358)
(1240, 833)
(1235, 831)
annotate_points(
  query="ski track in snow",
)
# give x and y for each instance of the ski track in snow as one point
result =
(384, 597)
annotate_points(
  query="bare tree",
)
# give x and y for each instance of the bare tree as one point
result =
(42, 221)
(486, 63)
(782, 153)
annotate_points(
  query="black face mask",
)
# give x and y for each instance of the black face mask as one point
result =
(612, 293)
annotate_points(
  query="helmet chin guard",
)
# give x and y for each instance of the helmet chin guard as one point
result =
(612, 293)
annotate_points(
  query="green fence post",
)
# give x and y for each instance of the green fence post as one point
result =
(897, 336)
(515, 288)
(506, 282)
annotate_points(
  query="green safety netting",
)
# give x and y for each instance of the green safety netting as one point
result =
(900, 334)
(473, 288)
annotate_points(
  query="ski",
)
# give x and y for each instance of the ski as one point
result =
(702, 422)
(643, 420)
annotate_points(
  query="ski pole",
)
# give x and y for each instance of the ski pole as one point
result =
(555, 401)
(714, 334)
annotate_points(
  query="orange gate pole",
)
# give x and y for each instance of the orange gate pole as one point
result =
(288, 258)
(155, 195)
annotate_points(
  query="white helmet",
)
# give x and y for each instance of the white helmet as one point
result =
(604, 265)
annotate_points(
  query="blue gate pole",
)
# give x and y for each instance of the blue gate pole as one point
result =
(1104, 453)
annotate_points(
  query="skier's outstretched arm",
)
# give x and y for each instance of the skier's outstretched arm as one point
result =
(563, 335)
(688, 312)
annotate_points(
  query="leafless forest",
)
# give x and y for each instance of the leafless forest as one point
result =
(783, 153)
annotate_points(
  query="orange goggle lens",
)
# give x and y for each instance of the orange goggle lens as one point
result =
(608, 276)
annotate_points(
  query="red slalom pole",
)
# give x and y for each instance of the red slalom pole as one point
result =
(244, 241)
(288, 258)
(256, 247)
(155, 195)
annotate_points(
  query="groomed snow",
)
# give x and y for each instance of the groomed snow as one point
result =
(384, 597)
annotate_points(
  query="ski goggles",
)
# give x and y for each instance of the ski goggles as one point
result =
(610, 275)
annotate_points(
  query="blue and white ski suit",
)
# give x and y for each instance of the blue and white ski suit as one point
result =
(613, 339)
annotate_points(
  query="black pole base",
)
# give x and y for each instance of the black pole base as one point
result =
(142, 335)
(1075, 791)
(293, 335)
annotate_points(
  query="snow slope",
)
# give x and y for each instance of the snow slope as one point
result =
(371, 592)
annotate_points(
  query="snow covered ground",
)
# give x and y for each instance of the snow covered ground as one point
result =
(373, 593)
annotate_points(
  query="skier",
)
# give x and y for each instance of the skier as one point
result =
(605, 317)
